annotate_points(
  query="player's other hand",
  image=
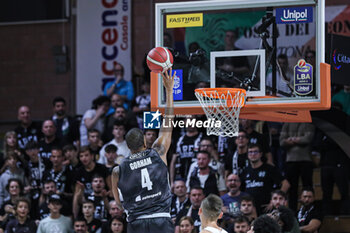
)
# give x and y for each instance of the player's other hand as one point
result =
(168, 80)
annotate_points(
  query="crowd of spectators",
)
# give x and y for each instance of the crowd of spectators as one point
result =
(57, 173)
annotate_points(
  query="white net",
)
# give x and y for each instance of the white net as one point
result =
(222, 105)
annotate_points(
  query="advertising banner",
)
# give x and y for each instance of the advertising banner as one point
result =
(103, 39)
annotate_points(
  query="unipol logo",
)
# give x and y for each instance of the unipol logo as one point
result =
(290, 16)
(294, 15)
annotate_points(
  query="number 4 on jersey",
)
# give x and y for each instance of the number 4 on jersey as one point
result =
(145, 180)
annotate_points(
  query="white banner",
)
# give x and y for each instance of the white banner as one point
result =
(103, 39)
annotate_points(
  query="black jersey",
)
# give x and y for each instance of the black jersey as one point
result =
(144, 184)
(186, 148)
(32, 133)
(260, 182)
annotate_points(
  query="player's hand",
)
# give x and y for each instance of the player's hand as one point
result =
(168, 80)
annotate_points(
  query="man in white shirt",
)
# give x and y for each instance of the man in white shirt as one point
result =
(55, 222)
(118, 141)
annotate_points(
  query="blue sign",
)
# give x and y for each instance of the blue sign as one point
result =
(178, 85)
(151, 120)
(303, 75)
(294, 15)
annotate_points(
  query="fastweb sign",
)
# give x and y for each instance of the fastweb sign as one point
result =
(152, 120)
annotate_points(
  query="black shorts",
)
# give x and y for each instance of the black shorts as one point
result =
(151, 225)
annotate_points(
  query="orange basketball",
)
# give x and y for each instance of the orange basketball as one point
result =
(159, 60)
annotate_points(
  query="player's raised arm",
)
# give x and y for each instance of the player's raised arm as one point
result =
(162, 144)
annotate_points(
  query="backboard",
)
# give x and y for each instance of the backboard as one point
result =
(272, 48)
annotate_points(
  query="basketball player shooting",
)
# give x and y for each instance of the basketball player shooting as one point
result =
(143, 176)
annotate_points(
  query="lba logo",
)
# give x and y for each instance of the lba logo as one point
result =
(151, 120)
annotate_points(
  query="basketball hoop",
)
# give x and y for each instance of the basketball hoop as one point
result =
(224, 105)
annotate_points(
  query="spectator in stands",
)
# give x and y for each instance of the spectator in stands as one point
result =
(119, 132)
(278, 208)
(27, 129)
(309, 216)
(142, 103)
(35, 172)
(118, 225)
(114, 211)
(116, 100)
(236, 162)
(196, 198)
(179, 199)
(241, 225)
(59, 173)
(67, 127)
(49, 188)
(95, 143)
(8, 210)
(12, 171)
(257, 138)
(265, 224)
(248, 208)
(209, 212)
(120, 86)
(296, 138)
(184, 156)
(80, 225)
(150, 136)
(186, 225)
(49, 140)
(71, 155)
(120, 114)
(112, 159)
(232, 199)
(99, 196)
(94, 118)
(55, 220)
(85, 173)
(22, 222)
(11, 145)
(206, 144)
(88, 209)
(261, 178)
(206, 177)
